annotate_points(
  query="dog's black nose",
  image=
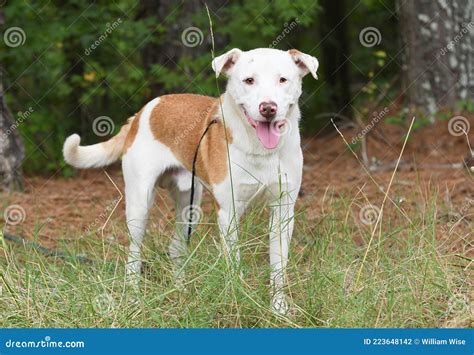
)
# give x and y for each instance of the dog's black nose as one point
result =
(268, 110)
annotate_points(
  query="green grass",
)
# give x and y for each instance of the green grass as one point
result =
(408, 279)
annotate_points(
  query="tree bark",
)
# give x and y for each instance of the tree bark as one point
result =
(335, 53)
(12, 152)
(438, 68)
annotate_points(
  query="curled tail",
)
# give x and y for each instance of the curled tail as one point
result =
(95, 155)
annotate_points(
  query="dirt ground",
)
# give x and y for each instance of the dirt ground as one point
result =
(432, 163)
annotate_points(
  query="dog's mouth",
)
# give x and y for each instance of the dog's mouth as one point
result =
(268, 133)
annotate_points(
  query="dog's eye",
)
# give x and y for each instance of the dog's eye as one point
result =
(249, 81)
(283, 80)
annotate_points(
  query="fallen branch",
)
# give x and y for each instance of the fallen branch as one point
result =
(408, 166)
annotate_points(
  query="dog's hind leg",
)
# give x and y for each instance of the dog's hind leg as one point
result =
(182, 196)
(139, 197)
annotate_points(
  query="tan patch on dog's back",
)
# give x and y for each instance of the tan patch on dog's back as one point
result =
(179, 121)
(132, 133)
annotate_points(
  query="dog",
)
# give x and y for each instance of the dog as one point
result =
(241, 146)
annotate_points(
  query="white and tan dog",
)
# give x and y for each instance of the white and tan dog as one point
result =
(252, 150)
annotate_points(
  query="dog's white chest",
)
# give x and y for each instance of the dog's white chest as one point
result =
(257, 177)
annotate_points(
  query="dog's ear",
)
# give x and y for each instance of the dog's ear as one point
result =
(224, 62)
(306, 63)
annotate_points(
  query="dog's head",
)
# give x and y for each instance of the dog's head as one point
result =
(265, 84)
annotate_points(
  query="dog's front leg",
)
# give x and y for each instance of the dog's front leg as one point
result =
(228, 227)
(281, 229)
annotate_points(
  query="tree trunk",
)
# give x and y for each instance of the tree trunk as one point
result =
(11, 146)
(335, 53)
(438, 66)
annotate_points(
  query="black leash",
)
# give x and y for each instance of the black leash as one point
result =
(193, 175)
(46, 251)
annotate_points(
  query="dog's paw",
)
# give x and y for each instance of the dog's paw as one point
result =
(280, 305)
(179, 280)
(133, 281)
(180, 284)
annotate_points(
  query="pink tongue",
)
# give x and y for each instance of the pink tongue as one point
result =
(267, 135)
